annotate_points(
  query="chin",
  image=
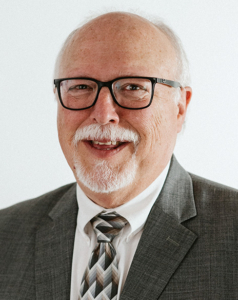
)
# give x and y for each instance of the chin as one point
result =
(105, 178)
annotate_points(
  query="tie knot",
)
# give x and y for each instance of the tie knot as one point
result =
(107, 226)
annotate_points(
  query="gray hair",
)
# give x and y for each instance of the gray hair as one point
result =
(182, 74)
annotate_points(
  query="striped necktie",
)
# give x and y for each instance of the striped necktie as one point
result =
(101, 277)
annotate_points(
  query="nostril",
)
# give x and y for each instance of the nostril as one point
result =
(104, 121)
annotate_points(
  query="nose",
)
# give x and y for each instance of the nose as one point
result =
(105, 109)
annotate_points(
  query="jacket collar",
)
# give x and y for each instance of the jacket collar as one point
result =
(176, 198)
(165, 241)
(54, 249)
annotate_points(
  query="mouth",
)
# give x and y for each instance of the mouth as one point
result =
(105, 148)
(108, 145)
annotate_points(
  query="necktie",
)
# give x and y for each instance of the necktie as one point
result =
(100, 280)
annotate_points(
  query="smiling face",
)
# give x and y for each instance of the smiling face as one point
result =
(107, 144)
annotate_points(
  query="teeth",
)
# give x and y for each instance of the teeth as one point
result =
(107, 143)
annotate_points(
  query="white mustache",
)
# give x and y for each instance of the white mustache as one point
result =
(110, 132)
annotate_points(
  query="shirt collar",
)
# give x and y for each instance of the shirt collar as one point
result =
(135, 211)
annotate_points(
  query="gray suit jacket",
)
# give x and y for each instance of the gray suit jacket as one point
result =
(188, 249)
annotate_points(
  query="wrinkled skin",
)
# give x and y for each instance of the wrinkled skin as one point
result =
(110, 46)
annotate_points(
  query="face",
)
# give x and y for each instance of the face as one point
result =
(107, 144)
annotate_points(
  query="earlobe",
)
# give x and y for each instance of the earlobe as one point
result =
(186, 94)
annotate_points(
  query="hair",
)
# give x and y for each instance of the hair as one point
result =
(182, 74)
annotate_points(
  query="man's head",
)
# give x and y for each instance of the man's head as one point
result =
(114, 152)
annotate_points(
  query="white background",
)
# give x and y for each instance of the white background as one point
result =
(31, 33)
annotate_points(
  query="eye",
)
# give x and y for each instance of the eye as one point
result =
(79, 87)
(133, 87)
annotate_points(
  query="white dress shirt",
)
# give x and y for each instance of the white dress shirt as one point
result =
(135, 211)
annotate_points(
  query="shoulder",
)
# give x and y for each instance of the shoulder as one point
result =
(19, 225)
(31, 211)
(212, 189)
(214, 198)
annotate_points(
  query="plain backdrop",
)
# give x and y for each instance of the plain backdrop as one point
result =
(31, 33)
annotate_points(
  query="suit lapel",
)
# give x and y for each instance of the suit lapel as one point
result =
(165, 241)
(54, 249)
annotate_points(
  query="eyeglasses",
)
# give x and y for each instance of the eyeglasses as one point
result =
(79, 93)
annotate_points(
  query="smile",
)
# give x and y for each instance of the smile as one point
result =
(105, 148)
(106, 145)
(114, 143)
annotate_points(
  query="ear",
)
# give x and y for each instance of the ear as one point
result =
(55, 94)
(185, 97)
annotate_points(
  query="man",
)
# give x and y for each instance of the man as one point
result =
(121, 84)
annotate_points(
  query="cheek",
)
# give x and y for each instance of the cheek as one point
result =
(159, 127)
(67, 123)
(148, 125)
(65, 127)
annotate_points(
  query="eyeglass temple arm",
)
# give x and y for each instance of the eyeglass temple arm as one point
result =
(172, 83)
(56, 82)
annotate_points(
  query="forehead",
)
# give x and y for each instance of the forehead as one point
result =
(119, 43)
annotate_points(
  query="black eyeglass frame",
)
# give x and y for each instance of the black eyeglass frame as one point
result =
(109, 84)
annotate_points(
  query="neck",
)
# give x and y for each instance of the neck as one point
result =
(119, 197)
(110, 200)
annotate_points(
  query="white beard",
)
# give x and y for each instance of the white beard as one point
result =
(104, 177)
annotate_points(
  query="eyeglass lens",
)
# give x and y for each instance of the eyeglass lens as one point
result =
(128, 92)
